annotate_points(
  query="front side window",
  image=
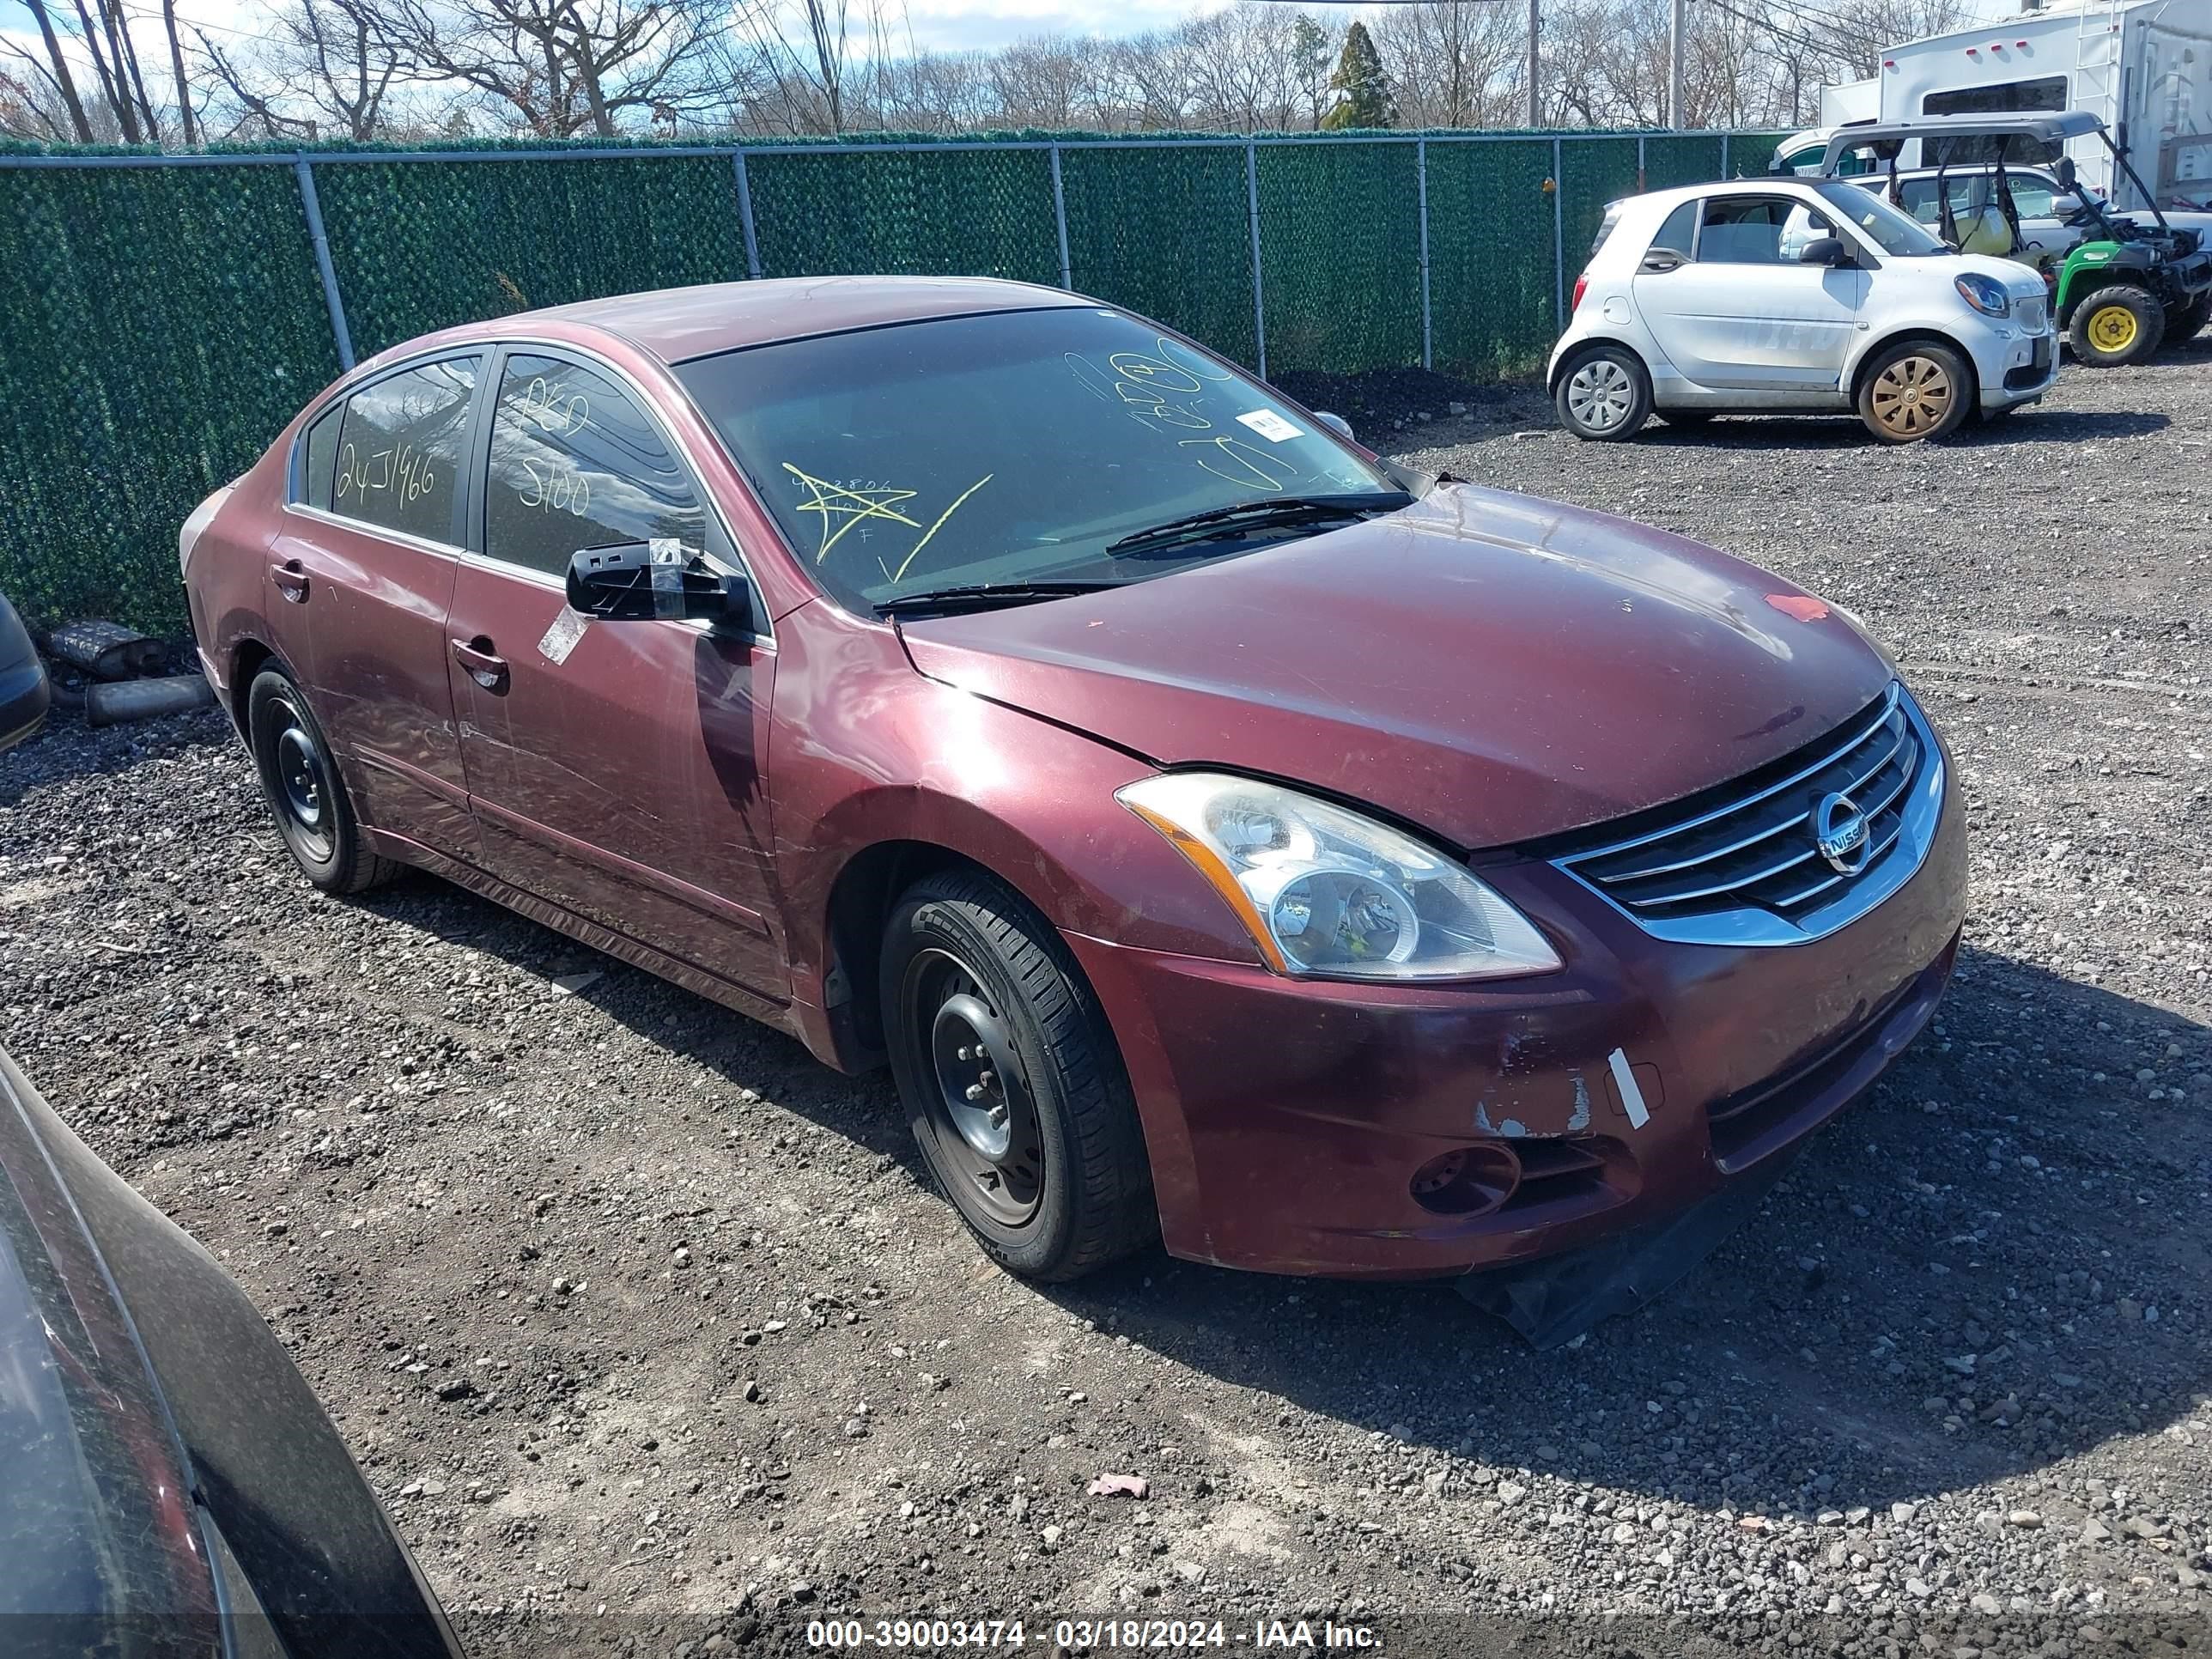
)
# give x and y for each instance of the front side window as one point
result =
(1743, 230)
(1870, 213)
(2036, 195)
(400, 447)
(576, 462)
(1020, 447)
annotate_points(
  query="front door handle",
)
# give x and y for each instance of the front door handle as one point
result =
(291, 580)
(485, 668)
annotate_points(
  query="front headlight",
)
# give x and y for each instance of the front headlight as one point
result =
(1986, 295)
(1328, 893)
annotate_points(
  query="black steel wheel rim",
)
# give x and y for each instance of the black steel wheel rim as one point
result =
(300, 778)
(974, 1088)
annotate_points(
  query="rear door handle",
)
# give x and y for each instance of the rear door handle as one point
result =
(486, 669)
(291, 580)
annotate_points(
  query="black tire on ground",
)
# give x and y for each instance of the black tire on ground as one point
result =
(1914, 390)
(305, 795)
(1604, 394)
(1687, 417)
(2186, 322)
(1011, 1079)
(2116, 325)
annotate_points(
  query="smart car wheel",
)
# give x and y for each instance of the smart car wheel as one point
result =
(301, 782)
(1012, 1080)
(2118, 325)
(1605, 395)
(1915, 390)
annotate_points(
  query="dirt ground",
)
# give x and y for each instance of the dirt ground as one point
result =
(650, 1336)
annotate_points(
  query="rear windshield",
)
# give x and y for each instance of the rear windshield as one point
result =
(1009, 448)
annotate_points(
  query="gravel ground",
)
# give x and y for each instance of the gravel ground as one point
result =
(648, 1335)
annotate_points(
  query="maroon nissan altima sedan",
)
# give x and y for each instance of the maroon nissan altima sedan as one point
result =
(1221, 832)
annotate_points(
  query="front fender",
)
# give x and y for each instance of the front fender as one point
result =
(868, 752)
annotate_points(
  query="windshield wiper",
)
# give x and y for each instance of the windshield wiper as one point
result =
(973, 595)
(1234, 520)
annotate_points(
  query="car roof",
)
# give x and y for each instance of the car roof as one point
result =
(1765, 185)
(678, 323)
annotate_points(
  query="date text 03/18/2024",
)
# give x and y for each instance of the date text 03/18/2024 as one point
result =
(1090, 1635)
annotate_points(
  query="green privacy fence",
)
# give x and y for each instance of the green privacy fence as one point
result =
(162, 317)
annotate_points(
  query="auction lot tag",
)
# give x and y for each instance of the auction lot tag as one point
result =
(560, 639)
(1269, 425)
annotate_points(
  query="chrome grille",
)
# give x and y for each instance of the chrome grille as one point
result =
(1749, 871)
(2033, 312)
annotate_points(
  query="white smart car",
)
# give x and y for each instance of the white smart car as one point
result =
(1785, 296)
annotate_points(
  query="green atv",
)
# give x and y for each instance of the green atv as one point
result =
(2124, 289)
(2118, 287)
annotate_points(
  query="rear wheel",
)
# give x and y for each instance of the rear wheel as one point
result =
(305, 795)
(2186, 322)
(1915, 390)
(2117, 326)
(1605, 395)
(1012, 1080)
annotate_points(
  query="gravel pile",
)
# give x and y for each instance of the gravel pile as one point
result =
(649, 1336)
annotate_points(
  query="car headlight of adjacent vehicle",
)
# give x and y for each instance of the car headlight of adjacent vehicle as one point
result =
(1327, 893)
(1986, 295)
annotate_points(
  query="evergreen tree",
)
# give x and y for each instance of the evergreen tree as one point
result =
(1364, 89)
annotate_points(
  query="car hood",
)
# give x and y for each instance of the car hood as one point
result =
(1491, 666)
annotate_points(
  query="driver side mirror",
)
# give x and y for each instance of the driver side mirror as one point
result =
(2063, 170)
(647, 581)
(1825, 251)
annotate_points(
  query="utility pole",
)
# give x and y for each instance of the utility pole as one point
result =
(1676, 18)
(1536, 84)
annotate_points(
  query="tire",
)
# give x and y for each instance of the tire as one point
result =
(1604, 395)
(2186, 322)
(1686, 418)
(1045, 1165)
(1915, 390)
(2116, 325)
(307, 797)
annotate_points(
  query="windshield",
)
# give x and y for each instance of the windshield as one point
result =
(1009, 448)
(1890, 230)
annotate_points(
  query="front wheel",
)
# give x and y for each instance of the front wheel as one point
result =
(2186, 322)
(1916, 389)
(1605, 395)
(2117, 326)
(1012, 1080)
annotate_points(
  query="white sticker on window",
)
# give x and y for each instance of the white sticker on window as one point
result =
(666, 549)
(1269, 425)
(560, 639)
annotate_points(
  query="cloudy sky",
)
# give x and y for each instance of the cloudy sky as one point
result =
(930, 25)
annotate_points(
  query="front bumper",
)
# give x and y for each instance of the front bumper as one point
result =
(2016, 367)
(1285, 1118)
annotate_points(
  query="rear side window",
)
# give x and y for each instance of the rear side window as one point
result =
(1605, 226)
(400, 449)
(1679, 234)
(576, 462)
(321, 457)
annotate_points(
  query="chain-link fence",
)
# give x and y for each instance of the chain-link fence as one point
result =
(164, 316)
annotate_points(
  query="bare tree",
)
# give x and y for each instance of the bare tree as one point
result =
(1243, 65)
(55, 72)
(1454, 62)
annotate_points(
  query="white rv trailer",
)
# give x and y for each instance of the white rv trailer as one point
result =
(2144, 66)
